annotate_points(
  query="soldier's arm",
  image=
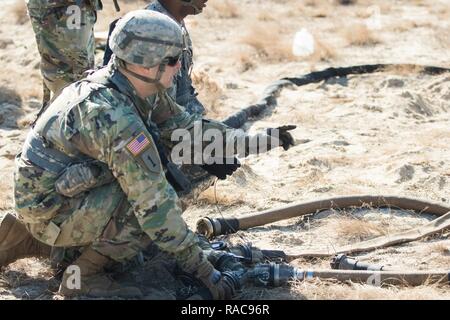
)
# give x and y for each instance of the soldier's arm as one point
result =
(171, 119)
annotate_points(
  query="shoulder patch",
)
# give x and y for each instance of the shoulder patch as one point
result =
(138, 144)
(143, 150)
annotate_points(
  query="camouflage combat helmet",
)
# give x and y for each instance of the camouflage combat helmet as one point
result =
(147, 38)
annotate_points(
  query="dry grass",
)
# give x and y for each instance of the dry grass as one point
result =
(108, 14)
(369, 9)
(322, 52)
(265, 16)
(224, 9)
(360, 35)
(19, 11)
(443, 37)
(26, 121)
(221, 198)
(266, 40)
(441, 248)
(329, 290)
(357, 229)
(311, 179)
(443, 12)
(6, 201)
(210, 92)
(404, 70)
(246, 61)
(13, 77)
(404, 25)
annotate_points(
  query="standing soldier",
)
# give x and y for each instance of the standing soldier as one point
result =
(64, 32)
(178, 10)
(183, 90)
(90, 173)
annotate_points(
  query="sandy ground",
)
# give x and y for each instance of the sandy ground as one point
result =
(384, 133)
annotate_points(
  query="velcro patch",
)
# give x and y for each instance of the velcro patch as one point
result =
(138, 144)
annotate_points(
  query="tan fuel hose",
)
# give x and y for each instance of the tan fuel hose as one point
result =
(211, 227)
(378, 278)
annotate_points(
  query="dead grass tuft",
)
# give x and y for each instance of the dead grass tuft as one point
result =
(441, 248)
(351, 228)
(225, 9)
(268, 42)
(405, 25)
(442, 12)
(265, 16)
(404, 69)
(322, 52)
(6, 201)
(311, 3)
(19, 11)
(26, 121)
(221, 198)
(332, 290)
(360, 35)
(108, 14)
(209, 90)
(246, 61)
(443, 37)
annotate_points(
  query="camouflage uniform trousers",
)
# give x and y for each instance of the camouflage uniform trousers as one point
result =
(66, 53)
(101, 218)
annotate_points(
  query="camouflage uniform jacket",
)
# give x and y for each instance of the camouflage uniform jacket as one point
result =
(102, 118)
(183, 90)
(92, 121)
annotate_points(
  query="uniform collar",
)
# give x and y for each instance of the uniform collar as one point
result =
(144, 106)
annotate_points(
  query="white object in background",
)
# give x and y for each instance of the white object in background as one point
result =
(303, 43)
(374, 21)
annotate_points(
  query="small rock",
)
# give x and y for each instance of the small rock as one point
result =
(406, 173)
(406, 94)
(395, 83)
(340, 143)
(302, 141)
(231, 85)
(322, 189)
(5, 43)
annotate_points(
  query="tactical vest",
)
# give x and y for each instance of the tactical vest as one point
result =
(49, 156)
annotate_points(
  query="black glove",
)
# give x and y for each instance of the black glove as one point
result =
(220, 285)
(282, 133)
(223, 170)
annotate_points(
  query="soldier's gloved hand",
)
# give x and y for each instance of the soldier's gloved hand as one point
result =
(193, 261)
(223, 170)
(286, 139)
(219, 285)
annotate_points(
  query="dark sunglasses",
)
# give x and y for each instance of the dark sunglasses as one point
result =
(172, 61)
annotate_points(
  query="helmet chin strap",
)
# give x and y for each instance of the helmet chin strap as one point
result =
(192, 5)
(156, 81)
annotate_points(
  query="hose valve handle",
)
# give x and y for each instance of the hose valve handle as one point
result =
(211, 227)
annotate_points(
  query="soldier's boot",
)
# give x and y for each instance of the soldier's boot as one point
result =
(92, 280)
(16, 242)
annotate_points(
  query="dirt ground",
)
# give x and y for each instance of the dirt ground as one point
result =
(384, 133)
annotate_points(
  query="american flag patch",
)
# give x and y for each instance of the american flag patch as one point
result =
(138, 144)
